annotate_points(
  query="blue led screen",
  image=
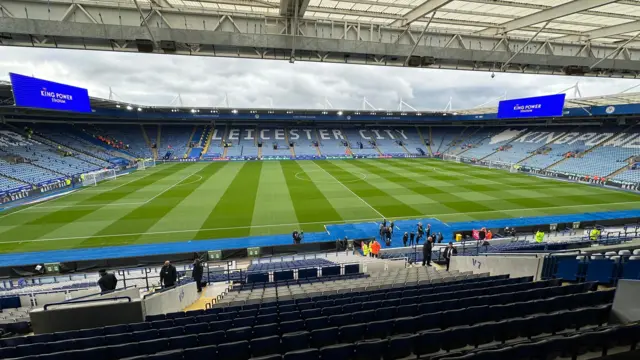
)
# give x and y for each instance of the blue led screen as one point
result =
(540, 106)
(41, 94)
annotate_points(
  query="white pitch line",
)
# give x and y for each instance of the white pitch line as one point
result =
(354, 194)
(311, 223)
(75, 192)
(174, 185)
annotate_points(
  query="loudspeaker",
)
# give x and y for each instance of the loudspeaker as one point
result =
(168, 46)
(414, 61)
(144, 45)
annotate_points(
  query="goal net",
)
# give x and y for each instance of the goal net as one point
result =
(146, 163)
(93, 178)
(450, 157)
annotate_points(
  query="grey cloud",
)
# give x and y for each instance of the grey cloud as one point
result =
(156, 80)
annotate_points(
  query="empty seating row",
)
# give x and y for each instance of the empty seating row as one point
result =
(605, 271)
(490, 319)
(296, 264)
(346, 290)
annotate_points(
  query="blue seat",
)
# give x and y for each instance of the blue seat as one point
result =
(265, 330)
(202, 352)
(317, 323)
(292, 326)
(378, 329)
(406, 310)
(352, 333)
(427, 342)
(167, 355)
(428, 321)
(239, 334)
(115, 329)
(306, 354)
(384, 313)
(196, 328)
(92, 342)
(139, 326)
(362, 317)
(265, 346)
(268, 357)
(370, 349)
(183, 342)
(242, 322)
(405, 325)
(400, 346)
(289, 316)
(266, 319)
(61, 346)
(123, 350)
(324, 337)
(189, 320)
(332, 310)
(176, 315)
(223, 325)
(311, 313)
(170, 332)
(295, 341)
(238, 350)
(340, 351)
(340, 320)
(155, 317)
(153, 346)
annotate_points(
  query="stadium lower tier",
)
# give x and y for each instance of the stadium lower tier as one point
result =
(37, 153)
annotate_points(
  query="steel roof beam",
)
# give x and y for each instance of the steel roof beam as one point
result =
(420, 11)
(605, 32)
(550, 14)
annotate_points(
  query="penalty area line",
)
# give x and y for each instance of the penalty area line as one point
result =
(426, 216)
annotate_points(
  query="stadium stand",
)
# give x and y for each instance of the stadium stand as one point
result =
(443, 138)
(488, 141)
(361, 141)
(492, 314)
(389, 141)
(304, 141)
(174, 141)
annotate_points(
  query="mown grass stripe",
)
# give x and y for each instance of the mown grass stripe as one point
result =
(236, 206)
(57, 219)
(378, 199)
(309, 202)
(144, 217)
(273, 200)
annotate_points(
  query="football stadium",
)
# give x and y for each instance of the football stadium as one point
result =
(508, 230)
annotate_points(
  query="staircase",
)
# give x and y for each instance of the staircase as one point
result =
(208, 142)
(224, 153)
(318, 147)
(148, 142)
(158, 137)
(618, 172)
(405, 149)
(424, 142)
(259, 151)
(456, 139)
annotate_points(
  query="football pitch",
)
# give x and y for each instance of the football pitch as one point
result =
(192, 201)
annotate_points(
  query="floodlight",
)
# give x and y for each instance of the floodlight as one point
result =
(339, 113)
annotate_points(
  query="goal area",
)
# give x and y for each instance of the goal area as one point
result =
(146, 163)
(93, 178)
(487, 163)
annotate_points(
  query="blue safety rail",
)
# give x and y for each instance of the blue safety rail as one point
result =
(352, 231)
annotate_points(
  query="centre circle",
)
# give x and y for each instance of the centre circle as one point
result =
(330, 177)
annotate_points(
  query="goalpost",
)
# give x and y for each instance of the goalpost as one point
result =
(450, 157)
(146, 163)
(93, 178)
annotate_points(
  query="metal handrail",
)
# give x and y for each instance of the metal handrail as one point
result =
(87, 301)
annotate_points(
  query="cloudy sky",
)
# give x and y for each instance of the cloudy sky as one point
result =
(157, 79)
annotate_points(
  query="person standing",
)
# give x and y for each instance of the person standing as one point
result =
(405, 238)
(411, 238)
(449, 251)
(197, 274)
(168, 275)
(391, 226)
(426, 252)
(420, 233)
(107, 281)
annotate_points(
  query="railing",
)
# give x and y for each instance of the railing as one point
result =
(87, 301)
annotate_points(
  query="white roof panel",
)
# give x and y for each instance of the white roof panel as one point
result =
(455, 16)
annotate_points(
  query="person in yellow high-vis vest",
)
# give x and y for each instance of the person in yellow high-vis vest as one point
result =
(594, 234)
(365, 249)
(539, 236)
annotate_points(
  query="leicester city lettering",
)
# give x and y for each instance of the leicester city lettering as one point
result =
(274, 134)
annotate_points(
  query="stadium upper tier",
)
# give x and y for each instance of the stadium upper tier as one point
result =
(43, 153)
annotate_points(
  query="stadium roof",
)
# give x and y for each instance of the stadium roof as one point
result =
(597, 21)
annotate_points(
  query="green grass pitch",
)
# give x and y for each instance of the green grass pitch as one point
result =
(191, 201)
